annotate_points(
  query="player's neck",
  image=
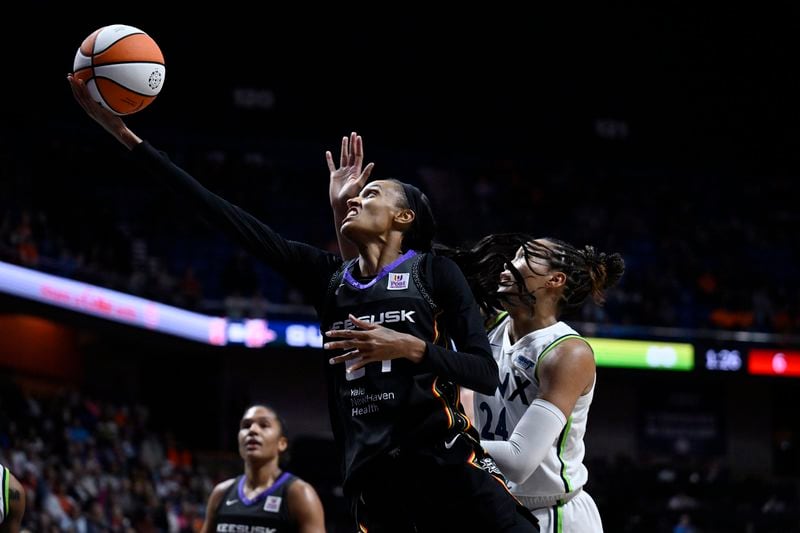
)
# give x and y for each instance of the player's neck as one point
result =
(527, 320)
(260, 477)
(374, 256)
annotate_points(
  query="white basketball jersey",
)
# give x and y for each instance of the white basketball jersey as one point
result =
(562, 470)
(4, 483)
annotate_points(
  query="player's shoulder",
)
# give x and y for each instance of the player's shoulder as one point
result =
(571, 349)
(301, 490)
(437, 259)
(6, 476)
(223, 486)
(444, 269)
(297, 483)
(226, 484)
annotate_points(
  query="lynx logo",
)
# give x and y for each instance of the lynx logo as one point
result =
(272, 504)
(398, 282)
(387, 317)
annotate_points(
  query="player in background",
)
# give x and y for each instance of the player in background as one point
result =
(265, 495)
(12, 502)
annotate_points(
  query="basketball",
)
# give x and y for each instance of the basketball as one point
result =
(122, 67)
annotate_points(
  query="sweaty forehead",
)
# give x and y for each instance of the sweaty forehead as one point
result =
(258, 412)
(383, 186)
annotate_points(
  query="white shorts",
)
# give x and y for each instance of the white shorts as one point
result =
(579, 515)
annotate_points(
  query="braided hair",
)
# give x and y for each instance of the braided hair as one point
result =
(589, 273)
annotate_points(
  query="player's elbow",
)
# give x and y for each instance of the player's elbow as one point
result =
(519, 473)
(485, 387)
(488, 380)
(521, 466)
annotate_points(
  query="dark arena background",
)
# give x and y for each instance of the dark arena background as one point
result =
(670, 137)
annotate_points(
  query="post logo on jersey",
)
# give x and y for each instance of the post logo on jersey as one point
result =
(272, 504)
(398, 281)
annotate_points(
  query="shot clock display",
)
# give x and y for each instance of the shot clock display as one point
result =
(724, 359)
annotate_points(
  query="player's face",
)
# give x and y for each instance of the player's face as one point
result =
(260, 434)
(535, 271)
(373, 211)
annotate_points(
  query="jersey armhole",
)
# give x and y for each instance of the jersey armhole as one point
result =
(333, 286)
(421, 281)
(555, 343)
(491, 323)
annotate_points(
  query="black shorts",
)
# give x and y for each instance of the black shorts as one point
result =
(430, 493)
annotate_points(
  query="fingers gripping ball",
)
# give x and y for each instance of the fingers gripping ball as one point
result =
(122, 67)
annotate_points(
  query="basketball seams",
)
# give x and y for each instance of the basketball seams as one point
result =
(88, 44)
(131, 62)
(135, 101)
(103, 98)
(118, 84)
(142, 47)
(112, 43)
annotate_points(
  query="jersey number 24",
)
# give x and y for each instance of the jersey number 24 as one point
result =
(500, 429)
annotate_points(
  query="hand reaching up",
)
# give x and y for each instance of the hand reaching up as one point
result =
(110, 122)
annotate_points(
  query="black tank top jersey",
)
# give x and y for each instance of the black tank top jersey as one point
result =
(395, 404)
(268, 512)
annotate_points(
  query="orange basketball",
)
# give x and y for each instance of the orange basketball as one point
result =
(122, 66)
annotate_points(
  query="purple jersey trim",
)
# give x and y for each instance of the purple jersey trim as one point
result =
(263, 494)
(348, 276)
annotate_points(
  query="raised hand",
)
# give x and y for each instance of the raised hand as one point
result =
(349, 178)
(346, 182)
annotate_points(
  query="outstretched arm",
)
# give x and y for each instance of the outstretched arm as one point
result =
(303, 266)
(564, 375)
(345, 183)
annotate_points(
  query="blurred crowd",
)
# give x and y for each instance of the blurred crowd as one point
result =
(704, 248)
(682, 494)
(90, 465)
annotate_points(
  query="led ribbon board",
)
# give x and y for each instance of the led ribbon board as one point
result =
(651, 355)
(111, 305)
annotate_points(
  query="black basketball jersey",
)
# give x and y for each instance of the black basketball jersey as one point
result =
(268, 512)
(395, 404)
